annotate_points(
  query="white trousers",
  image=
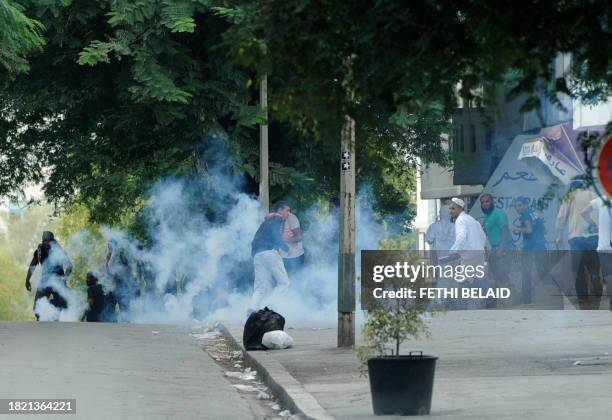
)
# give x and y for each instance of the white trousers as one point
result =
(270, 276)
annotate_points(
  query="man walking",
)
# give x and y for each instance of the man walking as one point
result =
(469, 242)
(604, 243)
(532, 231)
(441, 234)
(582, 240)
(496, 228)
(56, 266)
(495, 223)
(267, 261)
(469, 235)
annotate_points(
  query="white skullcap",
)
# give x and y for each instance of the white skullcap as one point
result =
(458, 202)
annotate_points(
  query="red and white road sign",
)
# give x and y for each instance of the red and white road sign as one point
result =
(604, 166)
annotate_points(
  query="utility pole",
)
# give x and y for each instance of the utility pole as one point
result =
(346, 257)
(264, 187)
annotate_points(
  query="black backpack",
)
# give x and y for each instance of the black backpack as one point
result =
(258, 324)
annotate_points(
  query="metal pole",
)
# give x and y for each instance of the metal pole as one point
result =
(264, 188)
(346, 258)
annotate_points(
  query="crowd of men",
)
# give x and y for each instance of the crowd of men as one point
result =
(582, 212)
(278, 254)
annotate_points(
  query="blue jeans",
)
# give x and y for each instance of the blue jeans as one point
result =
(581, 243)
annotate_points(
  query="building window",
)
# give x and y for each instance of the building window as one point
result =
(472, 138)
(489, 138)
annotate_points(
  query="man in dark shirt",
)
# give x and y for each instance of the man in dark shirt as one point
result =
(532, 263)
(268, 263)
(528, 226)
(95, 299)
(56, 266)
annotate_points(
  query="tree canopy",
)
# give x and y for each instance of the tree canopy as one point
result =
(124, 92)
(19, 35)
(407, 55)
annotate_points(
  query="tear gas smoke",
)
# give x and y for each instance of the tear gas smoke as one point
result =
(198, 264)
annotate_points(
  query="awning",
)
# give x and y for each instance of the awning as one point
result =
(556, 151)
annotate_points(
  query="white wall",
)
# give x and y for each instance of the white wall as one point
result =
(587, 115)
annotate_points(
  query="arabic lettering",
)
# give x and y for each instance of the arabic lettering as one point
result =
(525, 176)
(554, 163)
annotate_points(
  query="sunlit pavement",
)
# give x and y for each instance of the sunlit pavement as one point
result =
(502, 364)
(115, 371)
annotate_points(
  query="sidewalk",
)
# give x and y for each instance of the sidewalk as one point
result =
(492, 364)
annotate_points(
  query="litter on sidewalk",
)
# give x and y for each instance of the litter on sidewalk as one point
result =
(277, 340)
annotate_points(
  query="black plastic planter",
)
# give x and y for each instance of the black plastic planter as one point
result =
(402, 385)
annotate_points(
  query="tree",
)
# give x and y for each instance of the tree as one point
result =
(407, 58)
(123, 93)
(19, 36)
(126, 92)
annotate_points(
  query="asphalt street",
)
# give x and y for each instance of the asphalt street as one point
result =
(116, 371)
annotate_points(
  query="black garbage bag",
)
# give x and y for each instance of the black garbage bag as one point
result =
(258, 324)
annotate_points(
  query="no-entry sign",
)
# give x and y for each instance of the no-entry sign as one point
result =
(604, 166)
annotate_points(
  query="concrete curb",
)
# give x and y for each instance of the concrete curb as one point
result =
(285, 387)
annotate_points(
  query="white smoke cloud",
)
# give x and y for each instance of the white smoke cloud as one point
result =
(46, 311)
(201, 235)
(75, 299)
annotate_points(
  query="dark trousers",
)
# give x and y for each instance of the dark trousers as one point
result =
(534, 266)
(92, 316)
(585, 263)
(293, 265)
(55, 298)
(605, 260)
(499, 262)
(499, 266)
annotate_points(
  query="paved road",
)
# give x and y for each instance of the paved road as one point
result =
(116, 371)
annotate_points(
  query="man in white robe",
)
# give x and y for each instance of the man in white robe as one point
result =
(469, 235)
(441, 234)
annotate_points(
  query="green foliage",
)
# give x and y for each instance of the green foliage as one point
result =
(393, 321)
(387, 326)
(14, 299)
(86, 247)
(401, 59)
(408, 241)
(19, 36)
(124, 93)
(19, 239)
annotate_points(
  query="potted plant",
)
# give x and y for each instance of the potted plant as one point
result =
(400, 384)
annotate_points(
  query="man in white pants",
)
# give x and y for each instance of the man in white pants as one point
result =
(270, 273)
